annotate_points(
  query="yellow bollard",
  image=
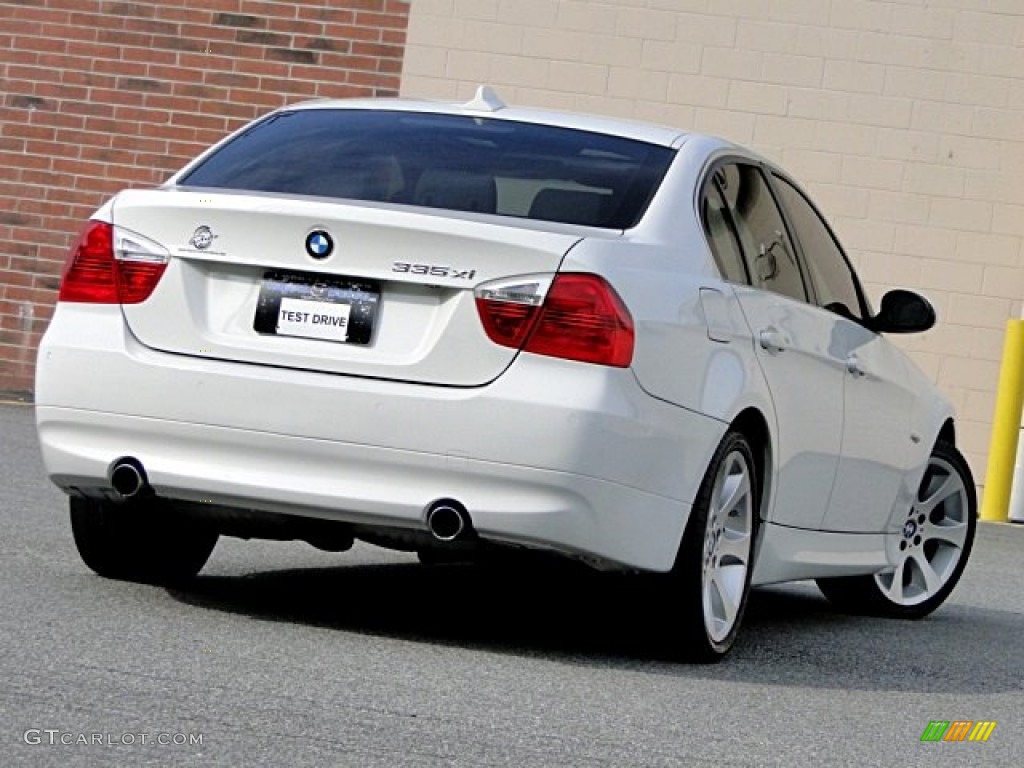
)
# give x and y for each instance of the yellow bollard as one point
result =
(1002, 451)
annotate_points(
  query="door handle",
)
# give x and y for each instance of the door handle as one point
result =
(771, 340)
(854, 367)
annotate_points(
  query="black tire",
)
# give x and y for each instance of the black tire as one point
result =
(139, 541)
(700, 636)
(876, 595)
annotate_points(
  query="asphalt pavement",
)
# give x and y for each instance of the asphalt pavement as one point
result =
(281, 655)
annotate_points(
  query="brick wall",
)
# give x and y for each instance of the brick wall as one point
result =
(99, 96)
(905, 118)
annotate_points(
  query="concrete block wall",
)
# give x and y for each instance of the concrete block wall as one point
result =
(905, 119)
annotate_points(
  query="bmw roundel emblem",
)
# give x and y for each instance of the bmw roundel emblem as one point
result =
(319, 244)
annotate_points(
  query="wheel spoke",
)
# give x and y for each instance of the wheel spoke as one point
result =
(740, 488)
(954, 535)
(718, 583)
(894, 590)
(932, 580)
(736, 547)
(950, 486)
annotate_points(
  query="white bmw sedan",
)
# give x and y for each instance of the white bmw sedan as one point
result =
(468, 329)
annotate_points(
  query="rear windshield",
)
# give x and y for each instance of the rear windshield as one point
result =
(443, 161)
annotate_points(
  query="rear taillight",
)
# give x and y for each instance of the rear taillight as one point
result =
(109, 265)
(575, 316)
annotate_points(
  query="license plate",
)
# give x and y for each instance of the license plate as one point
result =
(313, 306)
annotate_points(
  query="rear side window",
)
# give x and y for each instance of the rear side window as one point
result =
(458, 163)
(721, 237)
(770, 255)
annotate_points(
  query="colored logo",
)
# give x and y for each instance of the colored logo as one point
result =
(202, 238)
(319, 244)
(958, 730)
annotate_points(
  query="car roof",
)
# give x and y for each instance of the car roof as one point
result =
(486, 103)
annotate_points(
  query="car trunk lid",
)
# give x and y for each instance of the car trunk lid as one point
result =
(341, 287)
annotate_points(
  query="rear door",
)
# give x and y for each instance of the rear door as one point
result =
(793, 340)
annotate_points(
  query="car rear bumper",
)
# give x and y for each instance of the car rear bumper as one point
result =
(557, 454)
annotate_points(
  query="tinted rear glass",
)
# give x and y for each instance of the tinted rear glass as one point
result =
(443, 161)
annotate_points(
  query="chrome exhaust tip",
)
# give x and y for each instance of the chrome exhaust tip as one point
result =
(128, 478)
(448, 520)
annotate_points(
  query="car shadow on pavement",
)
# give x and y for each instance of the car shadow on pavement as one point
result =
(791, 635)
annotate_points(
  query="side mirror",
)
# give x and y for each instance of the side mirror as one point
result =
(903, 312)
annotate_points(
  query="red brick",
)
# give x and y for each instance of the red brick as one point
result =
(231, 79)
(108, 155)
(11, 160)
(107, 125)
(15, 72)
(339, 90)
(127, 9)
(149, 56)
(219, 60)
(381, 20)
(122, 38)
(259, 98)
(52, 15)
(257, 8)
(86, 108)
(207, 34)
(15, 277)
(120, 67)
(8, 144)
(152, 26)
(60, 91)
(369, 79)
(93, 20)
(174, 74)
(298, 85)
(211, 121)
(262, 68)
(351, 32)
(321, 15)
(379, 50)
(29, 131)
(117, 96)
(90, 79)
(59, 119)
(96, 50)
(141, 143)
(171, 132)
(393, 36)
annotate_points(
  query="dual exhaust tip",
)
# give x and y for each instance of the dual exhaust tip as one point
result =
(448, 521)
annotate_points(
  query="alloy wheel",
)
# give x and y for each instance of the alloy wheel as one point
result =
(934, 536)
(728, 540)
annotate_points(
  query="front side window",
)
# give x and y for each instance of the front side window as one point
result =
(477, 164)
(771, 259)
(834, 282)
